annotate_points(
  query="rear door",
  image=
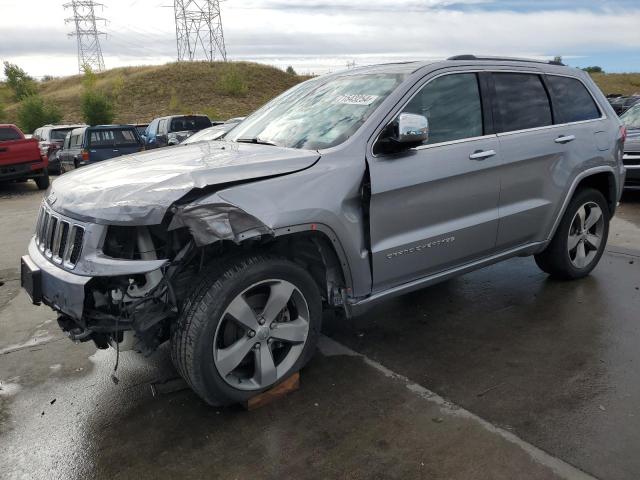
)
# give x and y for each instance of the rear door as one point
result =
(539, 153)
(435, 206)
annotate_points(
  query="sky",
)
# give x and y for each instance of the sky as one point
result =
(318, 36)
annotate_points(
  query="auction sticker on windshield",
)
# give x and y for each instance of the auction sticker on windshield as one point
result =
(357, 99)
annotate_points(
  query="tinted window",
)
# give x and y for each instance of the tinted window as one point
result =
(112, 138)
(572, 99)
(452, 105)
(181, 124)
(60, 133)
(522, 101)
(7, 134)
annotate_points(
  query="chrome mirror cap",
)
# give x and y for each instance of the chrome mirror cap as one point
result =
(412, 128)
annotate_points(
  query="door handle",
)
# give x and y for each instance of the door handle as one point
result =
(482, 154)
(565, 139)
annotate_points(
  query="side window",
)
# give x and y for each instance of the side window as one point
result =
(522, 102)
(572, 99)
(452, 105)
(67, 140)
(76, 140)
(162, 127)
(36, 134)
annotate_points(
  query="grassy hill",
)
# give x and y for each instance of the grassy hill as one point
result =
(221, 90)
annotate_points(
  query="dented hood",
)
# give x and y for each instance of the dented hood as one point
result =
(138, 189)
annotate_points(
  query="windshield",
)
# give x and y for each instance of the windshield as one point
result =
(212, 133)
(59, 134)
(631, 119)
(190, 123)
(318, 113)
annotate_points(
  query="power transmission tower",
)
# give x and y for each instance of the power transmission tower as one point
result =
(199, 34)
(86, 33)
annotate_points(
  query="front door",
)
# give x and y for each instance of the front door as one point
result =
(435, 207)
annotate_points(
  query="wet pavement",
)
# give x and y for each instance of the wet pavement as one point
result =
(541, 380)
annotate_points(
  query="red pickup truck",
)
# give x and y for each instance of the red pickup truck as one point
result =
(20, 157)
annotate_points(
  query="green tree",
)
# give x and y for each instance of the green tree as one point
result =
(34, 112)
(594, 69)
(97, 107)
(557, 59)
(18, 81)
(232, 83)
(291, 71)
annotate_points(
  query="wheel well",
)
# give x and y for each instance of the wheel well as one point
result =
(314, 252)
(605, 183)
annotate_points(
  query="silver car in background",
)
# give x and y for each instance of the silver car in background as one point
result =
(346, 190)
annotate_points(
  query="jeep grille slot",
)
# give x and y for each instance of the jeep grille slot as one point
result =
(58, 238)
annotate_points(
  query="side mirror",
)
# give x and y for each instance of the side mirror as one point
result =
(411, 129)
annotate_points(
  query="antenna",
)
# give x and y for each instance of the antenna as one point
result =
(199, 34)
(86, 33)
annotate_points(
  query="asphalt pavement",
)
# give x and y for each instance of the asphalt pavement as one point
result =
(499, 374)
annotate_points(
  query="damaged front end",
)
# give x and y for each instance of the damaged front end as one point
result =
(124, 285)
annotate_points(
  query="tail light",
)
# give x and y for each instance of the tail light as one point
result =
(85, 155)
(623, 133)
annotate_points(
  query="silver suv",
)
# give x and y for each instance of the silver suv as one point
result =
(344, 191)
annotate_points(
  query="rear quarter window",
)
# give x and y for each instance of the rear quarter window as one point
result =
(522, 102)
(572, 100)
(113, 138)
(8, 134)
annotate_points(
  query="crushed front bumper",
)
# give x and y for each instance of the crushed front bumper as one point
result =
(49, 284)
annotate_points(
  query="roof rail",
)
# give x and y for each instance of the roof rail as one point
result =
(505, 59)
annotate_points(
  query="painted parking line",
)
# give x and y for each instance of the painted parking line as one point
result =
(330, 347)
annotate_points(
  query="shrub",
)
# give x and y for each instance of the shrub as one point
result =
(594, 69)
(97, 108)
(232, 83)
(33, 112)
(18, 81)
(291, 71)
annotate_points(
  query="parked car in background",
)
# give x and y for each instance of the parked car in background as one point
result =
(141, 127)
(51, 138)
(631, 158)
(213, 133)
(21, 158)
(87, 145)
(173, 129)
(622, 104)
(348, 189)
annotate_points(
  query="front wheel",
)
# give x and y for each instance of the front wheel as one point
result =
(579, 242)
(43, 181)
(247, 326)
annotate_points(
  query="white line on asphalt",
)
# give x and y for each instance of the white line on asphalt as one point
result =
(330, 348)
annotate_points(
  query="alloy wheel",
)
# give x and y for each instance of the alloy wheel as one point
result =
(585, 235)
(261, 335)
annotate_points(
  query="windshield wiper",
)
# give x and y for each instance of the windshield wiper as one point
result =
(256, 141)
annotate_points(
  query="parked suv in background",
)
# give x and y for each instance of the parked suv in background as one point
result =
(87, 145)
(172, 130)
(51, 138)
(346, 190)
(631, 121)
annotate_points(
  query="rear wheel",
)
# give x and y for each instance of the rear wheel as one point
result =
(43, 181)
(579, 242)
(248, 326)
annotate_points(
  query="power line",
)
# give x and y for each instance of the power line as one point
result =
(86, 33)
(199, 34)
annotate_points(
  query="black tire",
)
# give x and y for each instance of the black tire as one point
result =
(43, 181)
(555, 259)
(192, 336)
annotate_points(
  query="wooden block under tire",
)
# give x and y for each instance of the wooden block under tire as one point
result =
(291, 384)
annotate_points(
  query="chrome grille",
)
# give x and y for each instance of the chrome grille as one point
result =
(59, 238)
